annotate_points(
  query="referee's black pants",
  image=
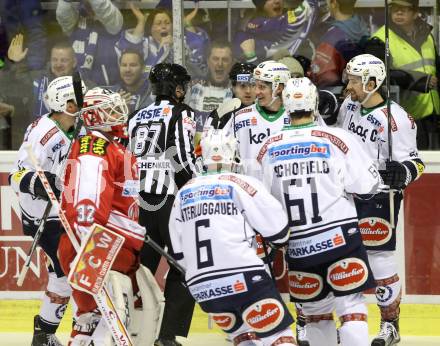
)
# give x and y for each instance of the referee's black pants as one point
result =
(179, 304)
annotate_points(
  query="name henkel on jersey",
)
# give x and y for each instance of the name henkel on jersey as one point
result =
(201, 193)
(319, 243)
(219, 288)
(299, 151)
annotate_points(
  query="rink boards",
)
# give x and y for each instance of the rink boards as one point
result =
(418, 239)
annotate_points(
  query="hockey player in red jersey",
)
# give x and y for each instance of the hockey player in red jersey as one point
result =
(49, 137)
(100, 187)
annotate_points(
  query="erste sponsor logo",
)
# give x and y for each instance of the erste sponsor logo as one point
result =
(322, 242)
(219, 288)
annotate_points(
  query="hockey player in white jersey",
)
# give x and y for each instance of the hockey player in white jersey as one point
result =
(253, 124)
(211, 228)
(49, 136)
(314, 170)
(364, 115)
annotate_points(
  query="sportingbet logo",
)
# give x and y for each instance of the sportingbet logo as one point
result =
(219, 288)
(206, 192)
(320, 243)
(299, 151)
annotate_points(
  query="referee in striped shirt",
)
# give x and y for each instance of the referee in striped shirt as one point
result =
(161, 137)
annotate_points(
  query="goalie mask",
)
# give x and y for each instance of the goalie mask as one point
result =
(106, 111)
(59, 92)
(218, 148)
(367, 66)
(300, 95)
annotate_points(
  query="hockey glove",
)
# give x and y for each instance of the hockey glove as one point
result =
(37, 188)
(328, 106)
(395, 175)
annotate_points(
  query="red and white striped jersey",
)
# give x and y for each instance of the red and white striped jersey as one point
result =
(101, 186)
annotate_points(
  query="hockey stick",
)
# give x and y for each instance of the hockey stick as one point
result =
(390, 137)
(77, 88)
(165, 254)
(37, 236)
(103, 299)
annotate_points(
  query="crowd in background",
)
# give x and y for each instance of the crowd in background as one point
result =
(117, 48)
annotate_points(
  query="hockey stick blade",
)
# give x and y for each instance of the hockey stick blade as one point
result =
(37, 237)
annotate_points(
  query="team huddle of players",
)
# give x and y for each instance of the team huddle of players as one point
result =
(322, 201)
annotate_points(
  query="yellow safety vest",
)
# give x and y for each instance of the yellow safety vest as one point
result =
(407, 58)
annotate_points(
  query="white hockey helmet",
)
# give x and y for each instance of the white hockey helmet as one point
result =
(272, 72)
(218, 147)
(367, 66)
(105, 110)
(59, 92)
(300, 95)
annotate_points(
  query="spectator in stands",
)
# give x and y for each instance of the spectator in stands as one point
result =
(283, 56)
(93, 30)
(342, 41)
(153, 35)
(26, 17)
(416, 67)
(207, 95)
(273, 28)
(62, 63)
(133, 85)
(6, 112)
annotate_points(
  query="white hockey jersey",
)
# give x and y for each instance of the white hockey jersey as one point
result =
(212, 221)
(49, 144)
(313, 170)
(370, 128)
(251, 126)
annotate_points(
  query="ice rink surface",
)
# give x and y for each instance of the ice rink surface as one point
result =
(419, 323)
(202, 339)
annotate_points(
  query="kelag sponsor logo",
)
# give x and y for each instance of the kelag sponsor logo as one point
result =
(299, 151)
(319, 243)
(200, 193)
(219, 288)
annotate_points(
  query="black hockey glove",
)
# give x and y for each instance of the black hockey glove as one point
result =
(396, 175)
(38, 188)
(328, 106)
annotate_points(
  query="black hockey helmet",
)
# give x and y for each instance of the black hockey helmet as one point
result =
(242, 73)
(166, 77)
